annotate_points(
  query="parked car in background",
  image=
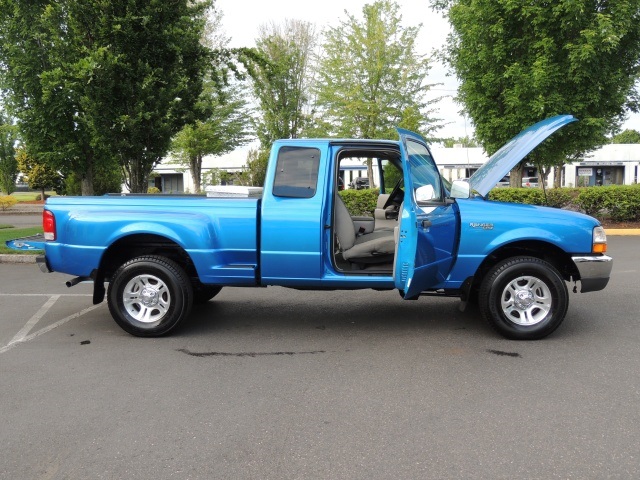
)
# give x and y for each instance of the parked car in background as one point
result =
(360, 183)
(529, 181)
(505, 182)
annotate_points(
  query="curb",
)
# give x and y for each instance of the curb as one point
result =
(622, 231)
(17, 258)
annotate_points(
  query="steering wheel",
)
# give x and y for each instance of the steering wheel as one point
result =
(396, 192)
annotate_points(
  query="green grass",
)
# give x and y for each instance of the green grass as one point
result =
(13, 233)
(28, 196)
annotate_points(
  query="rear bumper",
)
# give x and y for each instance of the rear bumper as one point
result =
(594, 270)
(41, 260)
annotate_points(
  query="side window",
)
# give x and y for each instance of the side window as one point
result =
(423, 171)
(296, 172)
(392, 176)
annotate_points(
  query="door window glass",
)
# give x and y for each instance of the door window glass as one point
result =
(423, 169)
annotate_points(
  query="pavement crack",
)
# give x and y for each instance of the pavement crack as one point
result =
(500, 353)
(246, 354)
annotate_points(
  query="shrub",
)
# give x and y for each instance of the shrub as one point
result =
(360, 202)
(621, 203)
(153, 190)
(530, 196)
(7, 201)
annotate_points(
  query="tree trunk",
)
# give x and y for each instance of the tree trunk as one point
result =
(196, 172)
(557, 176)
(370, 172)
(138, 181)
(86, 184)
(515, 178)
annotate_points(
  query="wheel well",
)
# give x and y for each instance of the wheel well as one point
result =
(557, 257)
(136, 245)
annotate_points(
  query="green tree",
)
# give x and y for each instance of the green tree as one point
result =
(225, 128)
(466, 142)
(281, 84)
(95, 81)
(627, 136)
(371, 79)
(39, 175)
(223, 116)
(520, 61)
(8, 162)
(256, 169)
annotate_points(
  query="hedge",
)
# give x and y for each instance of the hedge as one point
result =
(620, 203)
(360, 202)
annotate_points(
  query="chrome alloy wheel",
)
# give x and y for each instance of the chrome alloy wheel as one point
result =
(526, 300)
(146, 298)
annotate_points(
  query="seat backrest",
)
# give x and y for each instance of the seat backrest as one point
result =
(344, 225)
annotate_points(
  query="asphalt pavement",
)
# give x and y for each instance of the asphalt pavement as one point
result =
(271, 383)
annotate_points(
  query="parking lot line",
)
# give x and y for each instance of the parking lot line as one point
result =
(33, 320)
(48, 328)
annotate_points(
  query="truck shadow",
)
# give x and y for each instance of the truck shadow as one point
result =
(276, 311)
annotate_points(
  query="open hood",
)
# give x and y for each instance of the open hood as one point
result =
(513, 151)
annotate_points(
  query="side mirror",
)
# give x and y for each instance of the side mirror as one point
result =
(425, 193)
(460, 189)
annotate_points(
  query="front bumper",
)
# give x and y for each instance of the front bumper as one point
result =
(594, 270)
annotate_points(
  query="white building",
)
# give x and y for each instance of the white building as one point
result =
(613, 164)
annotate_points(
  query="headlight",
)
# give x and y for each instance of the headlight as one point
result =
(599, 240)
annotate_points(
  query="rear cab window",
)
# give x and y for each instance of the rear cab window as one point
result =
(296, 172)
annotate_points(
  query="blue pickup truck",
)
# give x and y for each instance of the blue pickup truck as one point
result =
(159, 255)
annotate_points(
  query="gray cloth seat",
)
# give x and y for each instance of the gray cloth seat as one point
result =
(375, 247)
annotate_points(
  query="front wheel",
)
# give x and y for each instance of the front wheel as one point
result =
(149, 296)
(524, 298)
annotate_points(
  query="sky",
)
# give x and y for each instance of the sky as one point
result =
(242, 18)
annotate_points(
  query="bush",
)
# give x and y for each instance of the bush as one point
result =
(7, 201)
(39, 197)
(530, 196)
(153, 190)
(360, 202)
(620, 203)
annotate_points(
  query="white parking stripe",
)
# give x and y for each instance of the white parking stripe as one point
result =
(49, 328)
(33, 320)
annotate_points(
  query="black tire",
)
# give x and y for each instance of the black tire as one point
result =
(149, 296)
(204, 293)
(524, 298)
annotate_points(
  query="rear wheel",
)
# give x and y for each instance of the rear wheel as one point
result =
(149, 296)
(524, 298)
